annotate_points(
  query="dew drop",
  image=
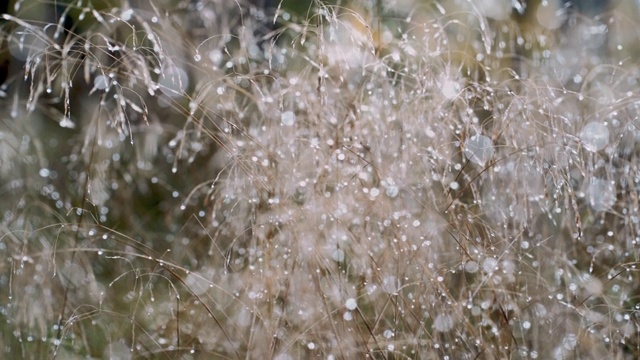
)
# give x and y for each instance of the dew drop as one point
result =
(600, 194)
(479, 149)
(443, 323)
(594, 136)
(67, 123)
(489, 265)
(126, 14)
(471, 267)
(338, 255)
(450, 89)
(101, 82)
(351, 304)
(288, 118)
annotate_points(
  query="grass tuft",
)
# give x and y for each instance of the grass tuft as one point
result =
(382, 179)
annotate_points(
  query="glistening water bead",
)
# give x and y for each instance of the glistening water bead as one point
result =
(288, 118)
(478, 149)
(594, 136)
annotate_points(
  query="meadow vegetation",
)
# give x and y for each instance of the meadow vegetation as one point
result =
(381, 179)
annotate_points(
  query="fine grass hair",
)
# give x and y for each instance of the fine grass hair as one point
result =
(319, 179)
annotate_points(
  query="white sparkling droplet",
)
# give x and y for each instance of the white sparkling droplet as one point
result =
(67, 123)
(101, 82)
(489, 265)
(594, 136)
(450, 89)
(601, 194)
(471, 266)
(443, 323)
(351, 304)
(479, 149)
(288, 118)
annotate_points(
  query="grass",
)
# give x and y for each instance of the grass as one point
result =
(208, 180)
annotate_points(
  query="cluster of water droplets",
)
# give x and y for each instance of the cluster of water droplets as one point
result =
(397, 180)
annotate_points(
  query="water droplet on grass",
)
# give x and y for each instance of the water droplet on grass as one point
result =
(471, 267)
(101, 82)
(450, 89)
(288, 118)
(479, 149)
(351, 304)
(126, 14)
(594, 136)
(489, 265)
(24, 42)
(173, 81)
(601, 194)
(443, 323)
(338, 255)
(67, 123)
